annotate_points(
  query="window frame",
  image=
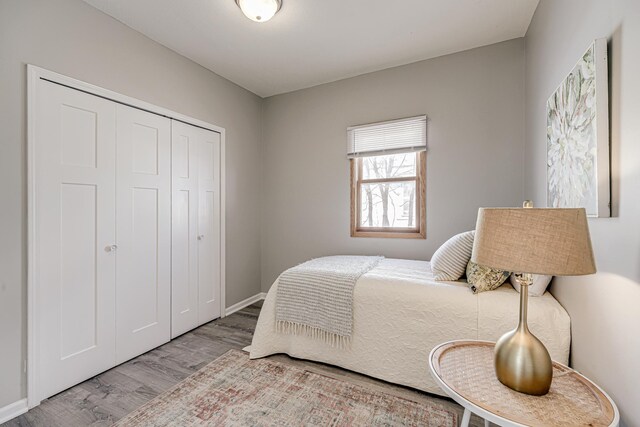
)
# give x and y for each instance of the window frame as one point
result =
(419, 231)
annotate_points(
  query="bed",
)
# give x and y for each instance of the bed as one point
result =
(400, 313)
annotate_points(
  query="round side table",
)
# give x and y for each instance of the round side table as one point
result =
(464, 370)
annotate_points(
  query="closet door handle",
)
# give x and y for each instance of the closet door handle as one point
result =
(110, 248)
(201, 237)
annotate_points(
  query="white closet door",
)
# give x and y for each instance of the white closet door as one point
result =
(143, 274)
(74, 223)
(184, 280)
(208, 226)
(196, 227)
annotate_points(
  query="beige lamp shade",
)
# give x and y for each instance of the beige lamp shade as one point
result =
(549, 241)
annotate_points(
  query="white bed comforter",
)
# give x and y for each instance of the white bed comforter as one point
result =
(400, 313)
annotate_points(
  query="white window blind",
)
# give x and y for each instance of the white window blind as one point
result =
(395, 136)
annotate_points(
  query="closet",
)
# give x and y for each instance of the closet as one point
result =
(125, 235)
(196, 227)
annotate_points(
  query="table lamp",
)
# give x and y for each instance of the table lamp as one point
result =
(550, 241)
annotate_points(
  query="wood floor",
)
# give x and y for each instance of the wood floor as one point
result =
(106, 398)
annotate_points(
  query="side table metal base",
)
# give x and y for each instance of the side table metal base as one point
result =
(466, 417)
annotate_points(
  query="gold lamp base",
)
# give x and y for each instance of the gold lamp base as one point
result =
(522, 362)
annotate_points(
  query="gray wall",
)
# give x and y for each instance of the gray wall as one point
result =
(73, 38)
(474, 101)
(604, 308)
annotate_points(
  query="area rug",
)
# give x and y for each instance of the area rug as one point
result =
(236, 391)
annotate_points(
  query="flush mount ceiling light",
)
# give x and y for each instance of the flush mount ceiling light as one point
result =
(259, 10)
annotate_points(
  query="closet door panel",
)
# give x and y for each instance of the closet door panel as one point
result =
(74, 156)
(143, 274)
(209, 226)
(78, 227)
(184, 281)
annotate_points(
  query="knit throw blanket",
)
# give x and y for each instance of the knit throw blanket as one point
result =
(315, 298)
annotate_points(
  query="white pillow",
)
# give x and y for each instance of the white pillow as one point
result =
(537, 287)
(451, 259)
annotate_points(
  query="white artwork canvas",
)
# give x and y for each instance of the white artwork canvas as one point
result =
(578, 137)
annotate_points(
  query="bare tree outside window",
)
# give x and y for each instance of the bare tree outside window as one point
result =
(386, 189)
(389, 204)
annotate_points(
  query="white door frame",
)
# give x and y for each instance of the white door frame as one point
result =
(34, 74)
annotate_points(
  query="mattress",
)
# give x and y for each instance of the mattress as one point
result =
(400, 313)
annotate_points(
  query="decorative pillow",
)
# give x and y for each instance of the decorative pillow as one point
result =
(537, 288)
(481, 278)
(450, 260)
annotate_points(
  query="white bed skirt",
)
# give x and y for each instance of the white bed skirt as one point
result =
(400, 313)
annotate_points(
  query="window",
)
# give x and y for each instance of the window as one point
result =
(388, 172)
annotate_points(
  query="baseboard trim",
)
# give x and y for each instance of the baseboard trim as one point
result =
(13, 410)
(245, 303)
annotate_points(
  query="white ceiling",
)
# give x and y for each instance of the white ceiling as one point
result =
(310, 42)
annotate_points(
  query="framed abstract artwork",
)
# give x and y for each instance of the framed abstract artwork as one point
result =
(578, 137)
